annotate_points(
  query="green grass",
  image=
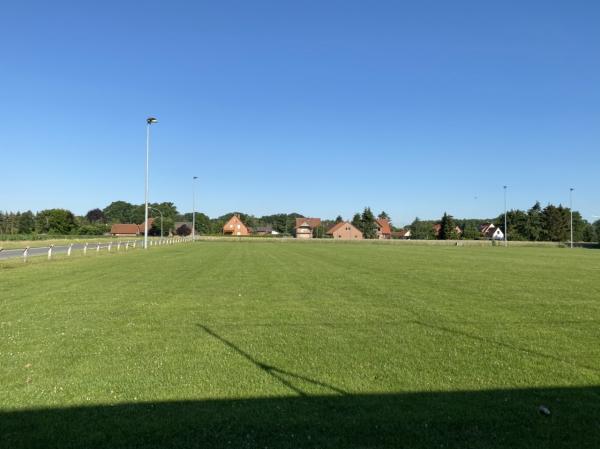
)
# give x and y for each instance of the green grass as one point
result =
(293, 345)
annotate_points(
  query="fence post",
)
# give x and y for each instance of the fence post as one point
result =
(119, 246)
(69, 250)
(98, 247)
(109, 246)
(25, 254)
(127, 245)
(85, 248)
(50, 252)
(134, 242)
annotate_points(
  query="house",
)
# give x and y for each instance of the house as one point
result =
(235, 227)
(265, 230)
(494, 234)
(179, 227)
(485, 227)
(305, 226)
(438, 227)
(344, 230)
(129, 229)
(401, 234)
(384, 230)
(491, 231)
(125, 230)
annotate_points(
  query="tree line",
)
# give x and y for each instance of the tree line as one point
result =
(551, 223)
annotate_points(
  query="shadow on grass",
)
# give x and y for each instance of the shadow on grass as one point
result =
(474, 419)
(286, 378)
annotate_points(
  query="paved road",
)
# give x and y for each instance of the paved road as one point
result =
(62, 249)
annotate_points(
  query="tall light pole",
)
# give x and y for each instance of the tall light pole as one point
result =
(149, 121)
(194, 208)
(571, 210)
(505, 221)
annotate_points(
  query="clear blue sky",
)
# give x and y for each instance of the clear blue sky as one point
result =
(319, 107)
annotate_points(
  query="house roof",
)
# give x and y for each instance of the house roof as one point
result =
(125, 228)
(485, 226)
(336, 226)
(150, 223)
(401, 233)
(491, 231)
(310, 222)
(264, 229)
(233, 221)
(384, 224)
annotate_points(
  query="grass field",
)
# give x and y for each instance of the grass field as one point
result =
(290, 345)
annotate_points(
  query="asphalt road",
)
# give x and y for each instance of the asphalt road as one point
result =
(63, 249)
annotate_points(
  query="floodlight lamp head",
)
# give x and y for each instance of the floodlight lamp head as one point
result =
(151, 120)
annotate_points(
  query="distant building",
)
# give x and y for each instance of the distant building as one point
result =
(491, 231)
(384, 230)
(401, 234)
(265, 230)
(180, 224)
(437, 228)
(305, 226)
(235, 227)
(125, 230)
(344, 230)
(129, 229)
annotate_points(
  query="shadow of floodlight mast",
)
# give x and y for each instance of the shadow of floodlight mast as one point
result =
(276, 373)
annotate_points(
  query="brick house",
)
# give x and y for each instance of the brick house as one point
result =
(384, 231)
(344, 230)
(235, 227)
(305, 226)
(129, 229)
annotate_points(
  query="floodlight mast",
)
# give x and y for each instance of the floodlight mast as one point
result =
(149, 121)
(194, 208)
(505, 220)
(571, 210)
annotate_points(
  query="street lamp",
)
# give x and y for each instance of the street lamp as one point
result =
(149, 121)
(161, 220)
(571, 210)
(194, 208)
(505, 221)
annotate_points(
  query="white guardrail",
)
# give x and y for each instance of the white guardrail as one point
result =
(70, 248)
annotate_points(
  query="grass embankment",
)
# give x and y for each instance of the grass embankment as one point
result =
(294, 345)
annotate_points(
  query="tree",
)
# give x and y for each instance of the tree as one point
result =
(356, 221)
(183, 230)
(596, 226)
(470, 230)
(422, 230)
(339, 219)
(384, 216)
(95, 215)
(534, 228)
(369, 227)
(448, 228)
(55, 221)
(517, 222)
(26, 223)
(555, 223)
(121, 212)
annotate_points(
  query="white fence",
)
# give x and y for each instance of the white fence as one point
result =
(86, 247)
